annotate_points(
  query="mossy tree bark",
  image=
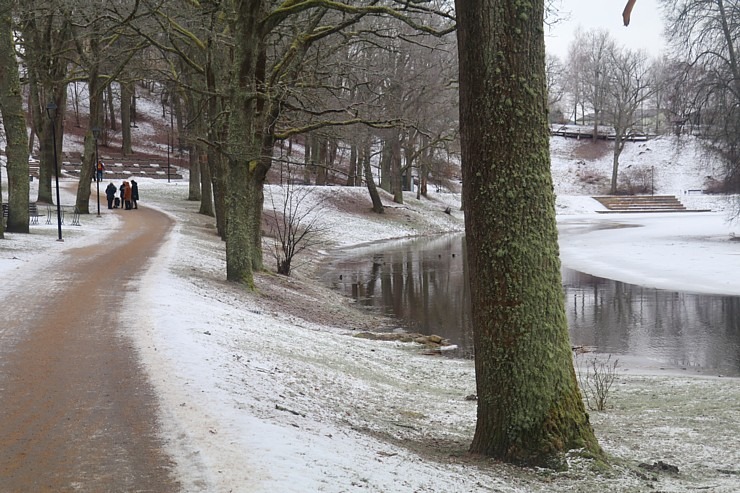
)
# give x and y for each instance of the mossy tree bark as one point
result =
(95, 90)
(244, 141)
(378, 207)
(127, 91)
(14, 122)
(529, 405)
(46, 38)
(213, 169)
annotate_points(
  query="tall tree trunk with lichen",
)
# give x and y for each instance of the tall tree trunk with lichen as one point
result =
(396, 173)
(365, 152)
(14, 122)
(213, 169)
(244, 147)
(127, 90)
(95, 89)
(109, 99)
(529, 405)
(46, 40)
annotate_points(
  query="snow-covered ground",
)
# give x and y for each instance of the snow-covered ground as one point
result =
(256, 398)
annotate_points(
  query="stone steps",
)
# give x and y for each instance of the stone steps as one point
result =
(642, 203)
(128, 170)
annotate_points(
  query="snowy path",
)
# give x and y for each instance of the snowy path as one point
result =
(77, 411)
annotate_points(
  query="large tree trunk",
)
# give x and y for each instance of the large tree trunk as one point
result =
(386, 156)
(206, 185)
(217, 172)
(49, 166)
(111, 107)
(46, 41)
(43, 126)
(245, 146)
(307, 165)
(529, 405)
(191, 134)
(618, 146)
(396, 173)
(212, 170)
(370, 181)
(194, 187)
(319, 159)
(87, 170)
(352, 174)
(127, 89)
(11, 108)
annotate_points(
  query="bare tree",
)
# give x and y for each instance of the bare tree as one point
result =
(555, 86)
(590, 55)
(573, 80)
(703, 34)
(46, 44)
(272, 47)
(683, 99)
(630, 83)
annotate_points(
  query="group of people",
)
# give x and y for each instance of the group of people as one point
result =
(129, 195)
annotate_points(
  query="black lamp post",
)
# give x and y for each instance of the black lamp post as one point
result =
(169, 130)
(96, 134)
(51, 112)
(170, 142)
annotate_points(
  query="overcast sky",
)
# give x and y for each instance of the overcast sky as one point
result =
(645, 29)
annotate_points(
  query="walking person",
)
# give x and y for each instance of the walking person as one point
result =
(135, 193)
(99, 171)
(110, 193)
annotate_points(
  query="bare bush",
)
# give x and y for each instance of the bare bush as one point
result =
(637, 180)
(293, 224)
(591, 177)
(596, 377)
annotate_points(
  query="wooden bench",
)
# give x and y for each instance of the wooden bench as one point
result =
(33, 212)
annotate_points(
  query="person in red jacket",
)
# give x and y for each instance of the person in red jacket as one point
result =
(127, 195)
(99, 171)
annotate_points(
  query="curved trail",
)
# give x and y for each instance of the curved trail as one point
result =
(76, 410)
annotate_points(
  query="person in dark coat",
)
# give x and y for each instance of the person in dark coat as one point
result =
(135, 193)
(122, 189)
(110, 193)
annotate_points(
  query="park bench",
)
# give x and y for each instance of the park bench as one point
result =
(33, 212)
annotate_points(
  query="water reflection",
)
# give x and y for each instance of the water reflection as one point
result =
(423, 283)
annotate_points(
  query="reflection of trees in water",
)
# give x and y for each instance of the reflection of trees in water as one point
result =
(684, 329)
(423, 283)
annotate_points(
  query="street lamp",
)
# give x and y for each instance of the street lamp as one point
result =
(170, 138)
(51, 112)
(169, 130)
(96, 134)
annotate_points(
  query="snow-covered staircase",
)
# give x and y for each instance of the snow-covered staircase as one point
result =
(642, 203)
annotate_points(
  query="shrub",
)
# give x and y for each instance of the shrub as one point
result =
(636, 180)
(596, 377)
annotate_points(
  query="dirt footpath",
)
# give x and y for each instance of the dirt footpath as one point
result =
(76, 410)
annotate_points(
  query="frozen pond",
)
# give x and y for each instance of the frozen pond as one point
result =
(422, 283)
